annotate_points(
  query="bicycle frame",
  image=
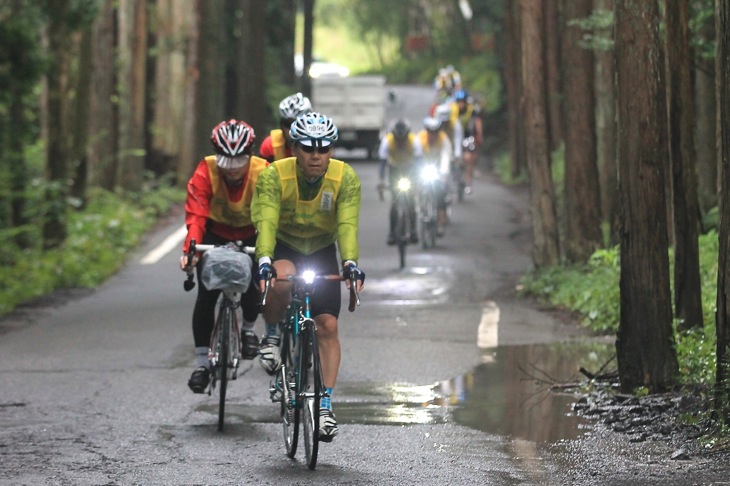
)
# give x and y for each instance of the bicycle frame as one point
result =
(224, 351)
(299, 385)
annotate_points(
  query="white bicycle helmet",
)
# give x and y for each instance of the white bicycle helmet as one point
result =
(293, 106)
(313, 129)
(432, 124)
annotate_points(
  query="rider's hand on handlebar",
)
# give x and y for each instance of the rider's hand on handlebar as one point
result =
(184, 262)
(266, 272)
(350, 270)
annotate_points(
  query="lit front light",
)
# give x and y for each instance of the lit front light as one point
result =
(308, 276)
(429, 173)
(404, 184)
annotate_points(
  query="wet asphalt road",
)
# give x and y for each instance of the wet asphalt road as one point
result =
(94, 391)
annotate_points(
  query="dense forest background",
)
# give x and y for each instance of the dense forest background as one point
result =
(615, 112)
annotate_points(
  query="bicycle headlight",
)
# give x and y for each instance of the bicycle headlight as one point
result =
(404, 184)
(308, 276)
(429, 173)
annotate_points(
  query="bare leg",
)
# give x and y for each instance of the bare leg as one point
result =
(329, 348)
(280, 294)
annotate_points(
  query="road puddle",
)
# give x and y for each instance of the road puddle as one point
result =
(515, 392)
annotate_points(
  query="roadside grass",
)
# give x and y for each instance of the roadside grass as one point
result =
(99, 238)
(592, 291)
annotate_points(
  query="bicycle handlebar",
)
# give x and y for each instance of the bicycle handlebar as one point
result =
(194, 248)
(354, 296)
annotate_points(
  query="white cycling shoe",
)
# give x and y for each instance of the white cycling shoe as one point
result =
(269, 354)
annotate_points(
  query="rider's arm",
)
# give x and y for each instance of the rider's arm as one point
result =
(348, 211)
(445, 156)
(383, 155)
(197, 204)
(265, 208)
(458, 138)
(266, 151)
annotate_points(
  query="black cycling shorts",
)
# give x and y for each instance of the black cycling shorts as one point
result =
(327, 297)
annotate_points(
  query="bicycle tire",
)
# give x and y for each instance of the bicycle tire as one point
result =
(288, 410)
(402, 235)
(224, 338)
(310, 393)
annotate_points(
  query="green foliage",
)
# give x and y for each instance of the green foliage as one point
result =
(98, 240)
(592, 291)
(598, 30)
(503, 168)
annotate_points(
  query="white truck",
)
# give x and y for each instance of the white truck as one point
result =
(357, 106)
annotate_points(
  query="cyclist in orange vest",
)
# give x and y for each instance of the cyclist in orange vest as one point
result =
(217, 211)
(278, 144)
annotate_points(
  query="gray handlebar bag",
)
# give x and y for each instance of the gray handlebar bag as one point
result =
(226, 269)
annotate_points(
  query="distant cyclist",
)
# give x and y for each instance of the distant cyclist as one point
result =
(470, 118)
(278, 144)
(437, 150)
(400, 152)
(217, 211)
(305, 209)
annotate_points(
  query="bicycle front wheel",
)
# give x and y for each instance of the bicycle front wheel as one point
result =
(310, 393)
(402, 229)
(286, 378)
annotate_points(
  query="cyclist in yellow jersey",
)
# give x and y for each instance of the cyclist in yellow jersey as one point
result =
(470, 117)
(400, 153)
(306, 208)
(437, 151)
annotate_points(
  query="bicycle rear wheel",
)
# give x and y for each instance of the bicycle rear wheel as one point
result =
(310, 392)
(289, 411)
(224, 356)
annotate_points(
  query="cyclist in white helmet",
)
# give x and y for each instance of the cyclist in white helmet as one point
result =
(305, 209)
(217, 211)
(278, 144)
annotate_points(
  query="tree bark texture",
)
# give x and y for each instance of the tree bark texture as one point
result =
(513, 89)
(104, 109)
(582, 190)
(606, 132)
(542, 194)
(57, 149)
(553, 69)
(307, 47)
(211, 82)
(280, 31)
(252, 68)
(645, 341)
(705, 126)
(685, 211)
(132, 92)
(722, 72)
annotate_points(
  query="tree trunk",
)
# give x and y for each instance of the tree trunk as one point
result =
(606, 131)
(80, 134)
(211, 83)
(132, 92)
(307, 47)
(280, 31)
(553, 70)
(513, 82)
(103, 116)
(687, 291)
(542, 200)
(645, 342)
(252, 63)
(582, 190)
(722, 73)
(706, 122)
(57, 150)
(176, 31)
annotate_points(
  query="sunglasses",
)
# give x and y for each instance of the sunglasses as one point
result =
(311, 148)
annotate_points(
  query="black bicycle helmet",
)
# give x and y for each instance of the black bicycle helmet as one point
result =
(401, 129)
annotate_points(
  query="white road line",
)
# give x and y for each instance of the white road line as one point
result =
(165, 247)
(488, 331)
